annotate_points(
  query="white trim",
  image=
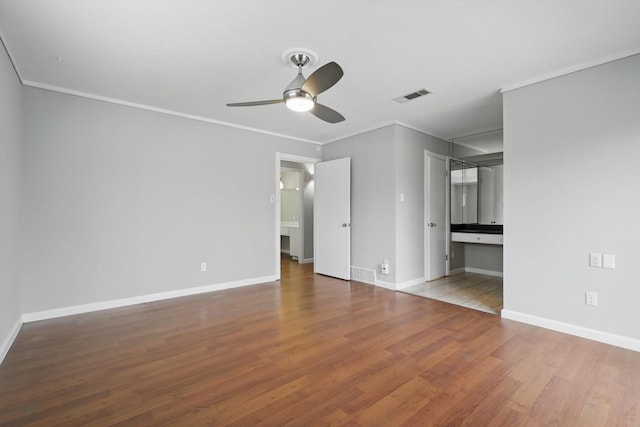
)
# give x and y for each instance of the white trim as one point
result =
(305, 261)
(161, 110)
(301, 224)
(9, 339)
(360, 132)
(426, 132)
(426, 219)
(380, 126)
(104, 305)
(469, 146)
(109, 100)
(485, 272)
(409, 283)
(386, 285)
(14, 64)
(568, 328)
(572, 69)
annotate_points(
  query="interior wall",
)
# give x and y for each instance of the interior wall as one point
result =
(483, 257)
(460, 151)
(372, 197)
(410, 219)
(456, 256)
(385, 163)
(307, 206)
(10, 166)
(121, 202)
(571, 181)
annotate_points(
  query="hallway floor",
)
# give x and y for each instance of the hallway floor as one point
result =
(470, 290)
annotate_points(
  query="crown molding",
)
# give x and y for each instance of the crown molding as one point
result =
(161, 110)
(572, 69)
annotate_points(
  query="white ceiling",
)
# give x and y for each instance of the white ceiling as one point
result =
(193, 57)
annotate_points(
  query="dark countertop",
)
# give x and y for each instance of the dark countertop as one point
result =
(477, 228)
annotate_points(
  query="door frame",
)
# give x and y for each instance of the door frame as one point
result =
(276, 199)
(300, 173)
(447, 202)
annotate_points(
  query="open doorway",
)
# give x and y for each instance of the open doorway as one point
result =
(475, 232)
(294, 209)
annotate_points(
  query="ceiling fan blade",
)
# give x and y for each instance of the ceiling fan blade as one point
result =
(254, 103)
(327, 114)
(322, 79)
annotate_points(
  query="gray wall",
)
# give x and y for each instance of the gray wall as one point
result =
(122, 202)
(10, 165)
(372, 197)
(483, 257)
(571, 180)
(456, 256)
(307, 206)
(384, 163)
(410, 224)
(460, 151)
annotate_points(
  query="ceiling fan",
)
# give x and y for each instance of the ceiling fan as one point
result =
(300, 95)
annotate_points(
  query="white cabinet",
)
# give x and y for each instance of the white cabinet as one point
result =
(290, 241)
(294, 242)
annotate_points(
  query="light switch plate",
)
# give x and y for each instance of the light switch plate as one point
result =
(595, 260)
(608, 261)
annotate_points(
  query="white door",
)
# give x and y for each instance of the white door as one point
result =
(332, 218)
(436, 216)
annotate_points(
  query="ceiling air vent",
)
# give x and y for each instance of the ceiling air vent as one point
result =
(413, 95)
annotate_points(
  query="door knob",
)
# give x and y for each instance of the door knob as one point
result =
(432, 224)
(345, 224)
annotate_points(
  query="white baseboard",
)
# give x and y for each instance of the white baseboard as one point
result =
(86, 308)
(399, 286)
(409, 283)
(568, 328)
(9, 339)
(485, 272)
(386, 285)
(306, 261)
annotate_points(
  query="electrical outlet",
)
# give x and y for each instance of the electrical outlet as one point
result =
(203, 266)
(384, 267)
(591, 298)
(595, 260)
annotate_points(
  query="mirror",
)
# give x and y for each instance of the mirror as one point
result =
(490, 194)
(476, 193)
(464, 192)
(290, 197)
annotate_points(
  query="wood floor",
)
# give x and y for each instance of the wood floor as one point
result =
(309, 351)
(470, 290)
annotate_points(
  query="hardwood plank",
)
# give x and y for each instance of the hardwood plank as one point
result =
(312, 350)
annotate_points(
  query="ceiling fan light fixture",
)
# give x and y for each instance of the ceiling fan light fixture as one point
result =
(299, 101)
